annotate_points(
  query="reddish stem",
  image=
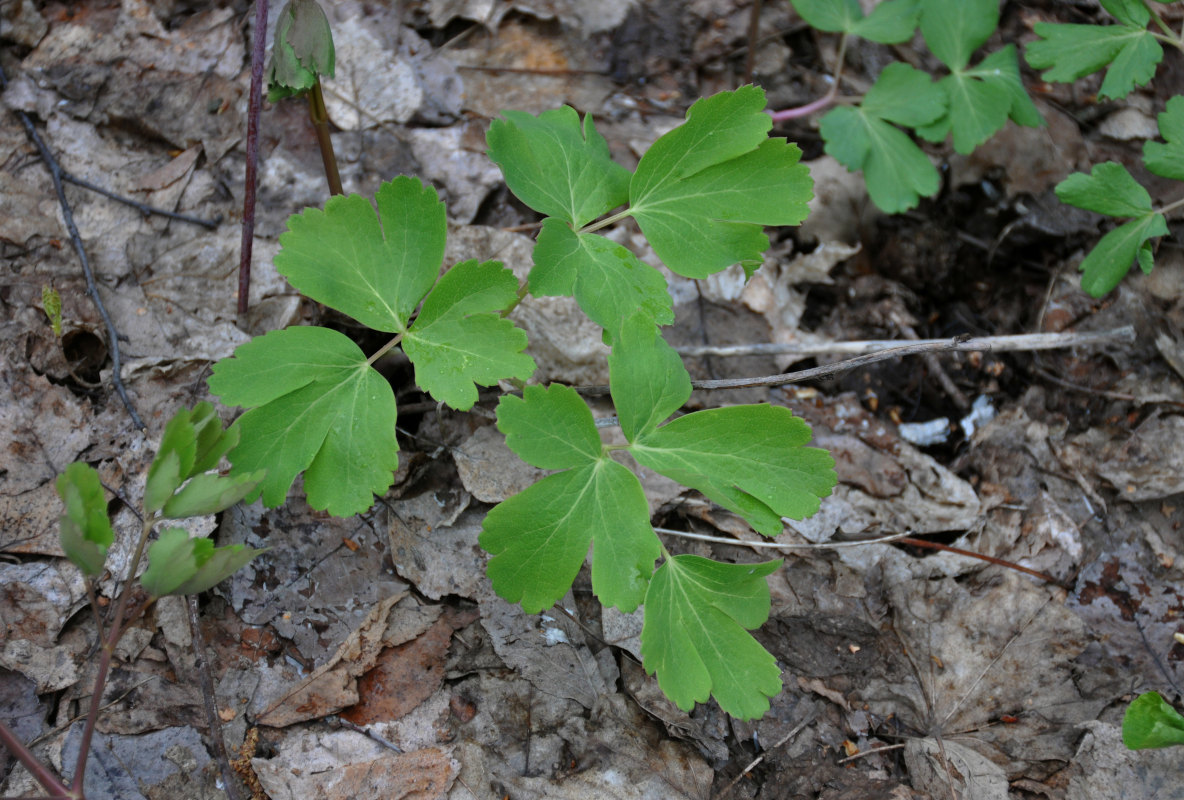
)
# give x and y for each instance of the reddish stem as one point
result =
(41, 773)
(989, 559)
(254, 106)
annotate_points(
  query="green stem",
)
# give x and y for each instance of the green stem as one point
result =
(320, 123)
(1169, 207)
(1163, 26)
(382, 351)
(604, 223)
(523, 290)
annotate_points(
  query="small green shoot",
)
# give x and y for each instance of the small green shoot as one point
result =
(1111, 190)
(1151, 722)
(302, 51)
(51, 301)
(1128, 51)
(86, 532)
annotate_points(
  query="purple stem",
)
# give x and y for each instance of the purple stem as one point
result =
(803, 111)
(43, 774)
(254, 105)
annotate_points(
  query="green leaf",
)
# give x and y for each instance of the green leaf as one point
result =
(376, 273)
(1167, 158)
(694, 637)
(86, 532)
(539, 538)
(1129, 12)
(752, 460)
(702, 192)
(1113, 256)
(1069, 52)
(180, 565)
(953, 31)
(1108, 189)
(51, 301)
(897, 172)
(316, 406)
(648, 379)
(459, 340)
(1003, 67)
(302, 51)
(209, 493)
(1150, 721)
(607, 280)
(904, 95)
(212, 441)
(550, 428)
(173, 463)
(832, 16)
(556, 166)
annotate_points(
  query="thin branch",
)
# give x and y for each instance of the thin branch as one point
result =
(254, 107)
(213, 726)
(143, 208)
(41, 773)
(1027, 341)
(703, 537)
(959, 344)
(55, 173)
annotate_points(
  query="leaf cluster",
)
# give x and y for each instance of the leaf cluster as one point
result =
(1128, 51)
(1110, 189)
(302, 50)
(970, 104)
(180, 484)
(316, 403)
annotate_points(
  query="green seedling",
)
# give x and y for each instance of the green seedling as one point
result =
(969, 104)
(301, 53)
(701, 195)
(180, 484)
(51, 301)
(1151, 722)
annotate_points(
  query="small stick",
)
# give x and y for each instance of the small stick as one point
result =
(55, 173)
(213, 726)
(1026, 341)
(143, 208)
(254, 107)
(960, 344)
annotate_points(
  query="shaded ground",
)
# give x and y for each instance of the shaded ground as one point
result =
(973, 680)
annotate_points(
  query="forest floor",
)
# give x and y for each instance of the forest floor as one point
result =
(369, 657)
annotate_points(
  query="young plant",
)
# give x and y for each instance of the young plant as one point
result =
(1151, 722)
(180, 484)
(1131, 52)
(970, 103)
(701, 195)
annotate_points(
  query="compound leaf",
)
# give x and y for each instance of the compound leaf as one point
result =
(316, 406)
(539, 538)
(550, 428)
(890, 22)
(1108, 189)
(694, 637)
(375, 268)
(897, 172)
(180, 565)
(1150, 721)
(1166, 158)
(556, 166)
(86, 532)
(1068, 52)
(1114, 254)
(752, 460)
(607, 280)
(953, 31)
(648, 379)
(702, 192)
(459, 340)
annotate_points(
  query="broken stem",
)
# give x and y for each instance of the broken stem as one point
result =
(320, 123)
(254, 107)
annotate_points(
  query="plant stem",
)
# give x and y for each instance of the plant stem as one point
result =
(105, 656)
(604, 223)
(386, 348)
(824, 101)
(320, 123)
(41, 773)
(1170, 206)
(254, 106)
(523, 290)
